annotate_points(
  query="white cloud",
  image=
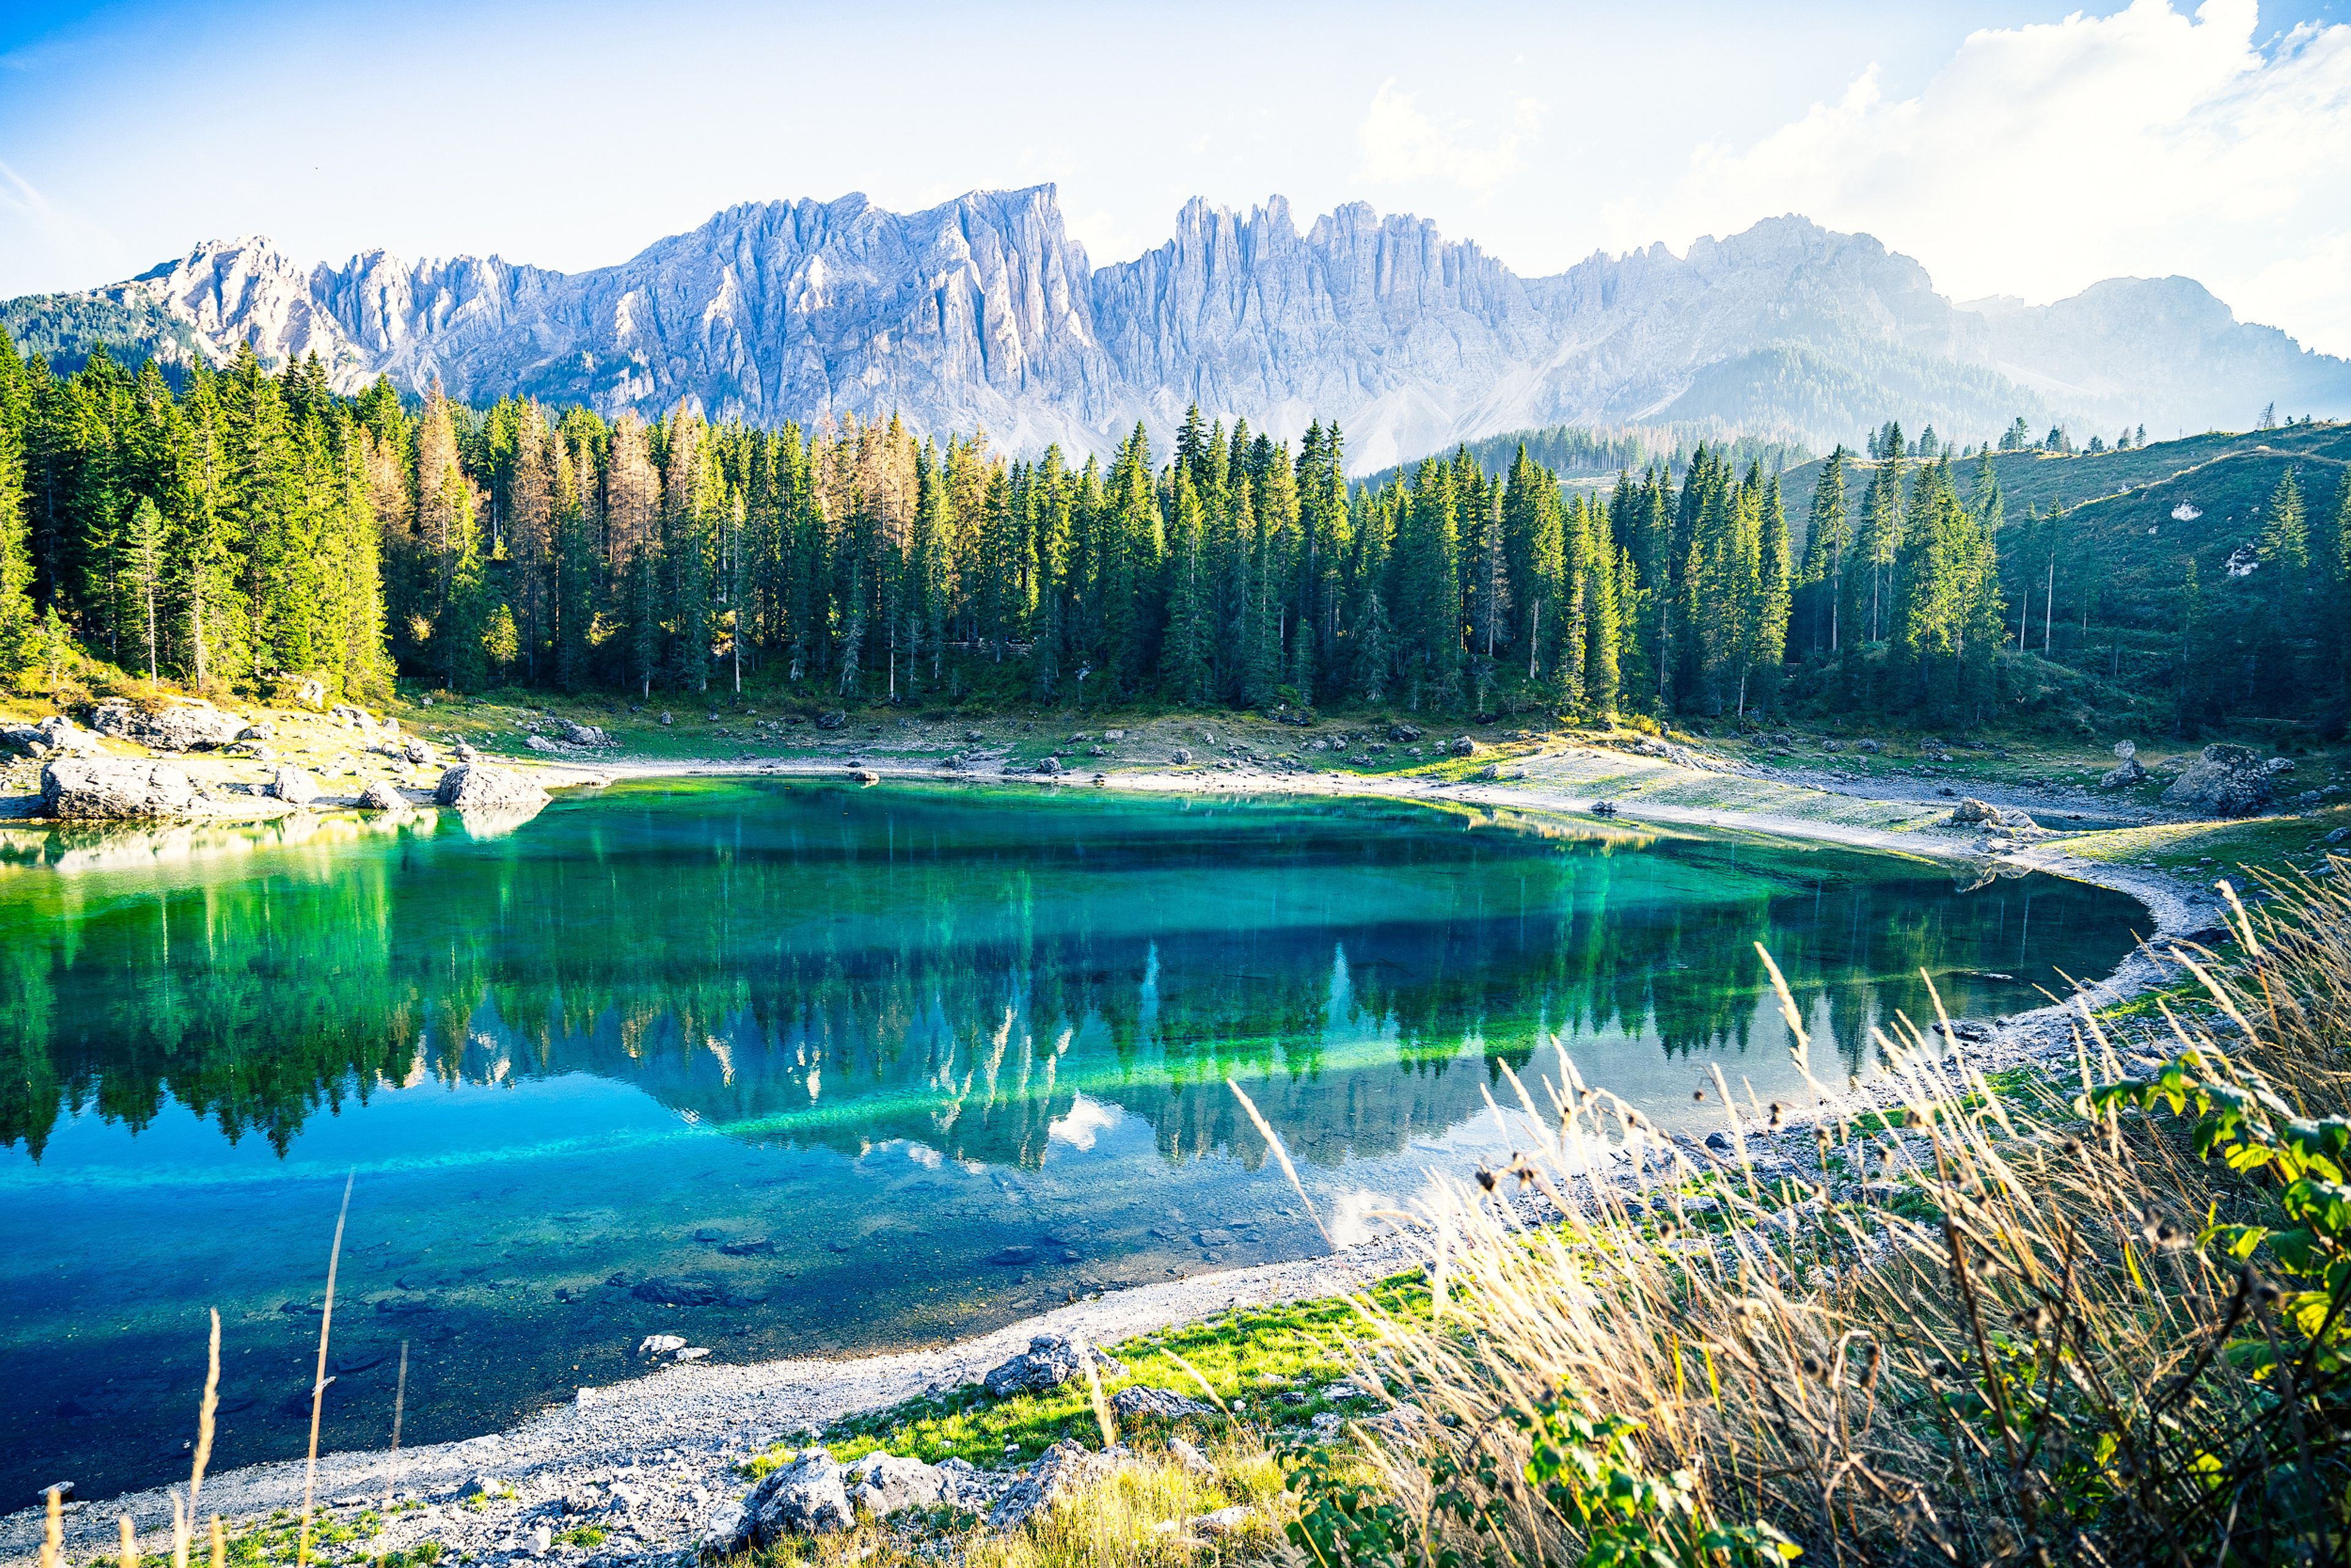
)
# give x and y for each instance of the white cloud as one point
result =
(2041, 159)
(1402, 144)
(1087, 1119)
(1360, 1215)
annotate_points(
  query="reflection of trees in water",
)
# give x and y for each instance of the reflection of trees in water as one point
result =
(962, 1000)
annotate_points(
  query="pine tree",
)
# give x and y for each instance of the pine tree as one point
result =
(143, 577)
(1828, 538)
(1775, 593)
(1184, 655)
(1489, 593)
(19, 628)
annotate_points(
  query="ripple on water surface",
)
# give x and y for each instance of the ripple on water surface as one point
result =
(792, 1068)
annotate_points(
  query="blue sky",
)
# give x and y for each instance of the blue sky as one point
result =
(2013, 148)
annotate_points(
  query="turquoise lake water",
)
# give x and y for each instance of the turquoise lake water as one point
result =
(790, 1068)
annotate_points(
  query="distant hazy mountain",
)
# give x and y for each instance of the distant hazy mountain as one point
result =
(984, 312)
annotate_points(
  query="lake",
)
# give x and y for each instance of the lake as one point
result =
(793, 1068)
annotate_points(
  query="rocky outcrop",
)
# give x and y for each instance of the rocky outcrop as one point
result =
(479, 787)
(1971, 812)
(99, 790)
(887, 1484)
(2226, 781)
(173, 727)
(1050, 1361)
(51, 736)
(983, 311)
(1064, 1467)
(1158, 1404)
(803, 1498)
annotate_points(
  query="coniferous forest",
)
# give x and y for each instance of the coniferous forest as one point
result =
(243, 528)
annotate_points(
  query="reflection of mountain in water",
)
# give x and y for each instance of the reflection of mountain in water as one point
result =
(841, 969)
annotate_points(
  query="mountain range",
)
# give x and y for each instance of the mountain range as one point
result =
(984, 312)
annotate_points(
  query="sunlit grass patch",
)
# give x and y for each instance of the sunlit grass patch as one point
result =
(1264, 1364)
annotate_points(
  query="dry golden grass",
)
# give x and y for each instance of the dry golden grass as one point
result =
(2001, 1324)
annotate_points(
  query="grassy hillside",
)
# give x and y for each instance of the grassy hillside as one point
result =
(2201, 464)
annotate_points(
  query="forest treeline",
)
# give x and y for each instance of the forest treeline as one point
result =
(253, 528)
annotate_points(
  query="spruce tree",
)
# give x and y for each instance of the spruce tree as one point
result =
(1184, 655)
(143, 578)
(1828, 538)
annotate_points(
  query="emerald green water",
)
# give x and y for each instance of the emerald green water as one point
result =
(836, 1069)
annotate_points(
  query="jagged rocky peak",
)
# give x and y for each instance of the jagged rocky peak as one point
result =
(983, 311)
(244, 290)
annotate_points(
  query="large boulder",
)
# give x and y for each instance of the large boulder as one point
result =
(583, 734)
(803, 1498)
(293, 785)
(52, 735)
(173, 727)
(1064, 1467)
(478, 786)
(1974, 813)
(2226, 781)
(107, 789)
(1050, 1361)
(381, 797)
(885, 1484)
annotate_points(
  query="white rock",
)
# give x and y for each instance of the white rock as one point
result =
(1223, 1522)
(885, 1484)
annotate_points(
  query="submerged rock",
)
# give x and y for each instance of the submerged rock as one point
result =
(678, 1291)
(1050, 1361)
(107, 789)
(478, 786)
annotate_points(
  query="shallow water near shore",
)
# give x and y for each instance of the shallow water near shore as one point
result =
(791, 1068)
